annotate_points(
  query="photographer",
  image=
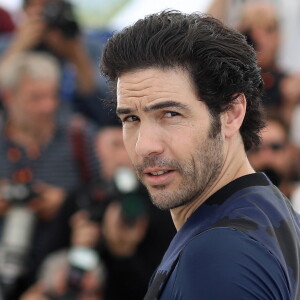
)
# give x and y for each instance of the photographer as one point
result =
(51, 26)
(37, 154)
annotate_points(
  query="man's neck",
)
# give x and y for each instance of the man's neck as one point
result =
(235, 165)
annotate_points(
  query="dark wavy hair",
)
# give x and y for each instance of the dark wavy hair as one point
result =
(219, 60)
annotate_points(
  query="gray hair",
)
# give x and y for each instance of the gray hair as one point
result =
(36, 65)
(59, 260)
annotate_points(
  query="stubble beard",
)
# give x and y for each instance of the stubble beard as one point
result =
(197, 174)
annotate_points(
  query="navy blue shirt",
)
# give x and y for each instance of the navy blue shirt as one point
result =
(242, 243)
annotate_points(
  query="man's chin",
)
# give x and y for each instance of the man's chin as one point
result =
(165, 202)
(166, 206)
(158, 198)
(161, 205)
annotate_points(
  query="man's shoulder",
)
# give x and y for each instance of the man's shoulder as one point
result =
(222, 240)
(225, 262)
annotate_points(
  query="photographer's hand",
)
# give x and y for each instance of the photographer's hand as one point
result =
(35, 292)
(28, 35)
(73, 51)
(85, 233)
(48, 201)
(121, 239)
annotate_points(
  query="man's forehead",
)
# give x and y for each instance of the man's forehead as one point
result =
(139, 82)
(153, 82)
(147, 76)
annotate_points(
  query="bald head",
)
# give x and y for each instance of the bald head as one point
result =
(258, 13)
(260, 22)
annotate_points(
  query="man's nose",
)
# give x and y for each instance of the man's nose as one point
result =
(48, 104)
(149, 141)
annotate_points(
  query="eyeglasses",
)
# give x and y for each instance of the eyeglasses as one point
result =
(271, 146)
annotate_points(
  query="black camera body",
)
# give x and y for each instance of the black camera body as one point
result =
(60, 15)
(131, 195)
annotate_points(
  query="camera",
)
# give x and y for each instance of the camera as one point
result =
(60, 15)
(131, 195)
(81, 260)
(124, 189)
(16, 234)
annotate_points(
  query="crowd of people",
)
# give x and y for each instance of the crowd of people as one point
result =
(63, 165)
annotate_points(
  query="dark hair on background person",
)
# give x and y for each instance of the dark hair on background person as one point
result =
(220, 62)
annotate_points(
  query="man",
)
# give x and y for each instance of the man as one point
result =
(261, 23)
(51, 26)
(39, 137)
(188, 94)
(33, 33)
(39, 148)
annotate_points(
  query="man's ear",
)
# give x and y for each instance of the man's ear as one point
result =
(234, 116)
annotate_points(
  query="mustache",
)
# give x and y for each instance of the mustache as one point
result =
(156, 161)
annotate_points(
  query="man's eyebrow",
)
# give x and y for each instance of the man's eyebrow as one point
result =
(157, 106)
(124, 111)
(166, 104)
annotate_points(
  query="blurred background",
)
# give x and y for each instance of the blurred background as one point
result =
(74, 221)
(118, 13)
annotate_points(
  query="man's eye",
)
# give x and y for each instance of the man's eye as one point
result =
(130, 119)
(171, 114)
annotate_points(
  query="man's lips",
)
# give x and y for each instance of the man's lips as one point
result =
(158, 176)
(156, 171)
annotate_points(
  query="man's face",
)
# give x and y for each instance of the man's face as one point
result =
(273, 152)
(167, 133)
(34, 103)
(262, 25)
